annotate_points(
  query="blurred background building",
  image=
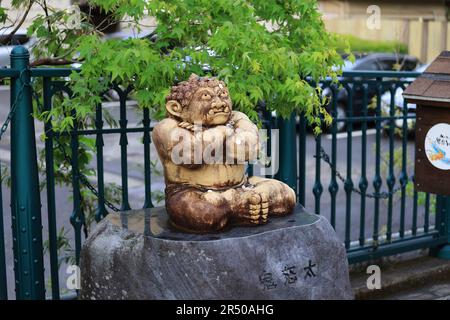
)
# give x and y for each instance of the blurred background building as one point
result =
(418, 27)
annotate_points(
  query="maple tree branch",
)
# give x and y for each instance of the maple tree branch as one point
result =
(8, 38)
(51, 62)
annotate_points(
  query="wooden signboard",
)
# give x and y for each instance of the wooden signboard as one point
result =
(431, 94)
(432, 164)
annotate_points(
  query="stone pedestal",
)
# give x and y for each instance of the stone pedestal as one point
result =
(137, 255)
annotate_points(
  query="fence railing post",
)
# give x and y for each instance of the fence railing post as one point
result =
(287, 171)
(3, 280)
(443, 210)
(25, 198)
(302, 160)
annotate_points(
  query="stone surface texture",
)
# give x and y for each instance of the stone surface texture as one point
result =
(137, 255)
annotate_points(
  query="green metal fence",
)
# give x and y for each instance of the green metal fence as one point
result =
(373, 188)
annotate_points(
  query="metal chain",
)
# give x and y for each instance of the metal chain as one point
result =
(12, 111)
(380, 195)
(85, 181)
(81, 177)
(14, 105)
(94, 191)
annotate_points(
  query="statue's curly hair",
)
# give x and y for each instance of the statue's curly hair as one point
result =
(184, 91)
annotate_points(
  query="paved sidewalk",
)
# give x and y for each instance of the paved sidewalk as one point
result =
(423, 278)
(432, 291)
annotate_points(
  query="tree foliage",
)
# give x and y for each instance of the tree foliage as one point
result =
(263, 50)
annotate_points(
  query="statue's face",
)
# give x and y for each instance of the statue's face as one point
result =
(208, 106)
(205, 103)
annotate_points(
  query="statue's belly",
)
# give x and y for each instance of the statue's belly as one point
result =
(213, 176)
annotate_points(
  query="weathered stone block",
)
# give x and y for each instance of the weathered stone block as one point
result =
(137, 255)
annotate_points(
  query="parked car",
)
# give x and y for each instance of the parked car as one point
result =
(370, 62)
(399, 105)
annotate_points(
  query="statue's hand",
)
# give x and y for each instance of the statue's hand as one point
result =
(219, 131)
(227, 131)
(243, 145)
(187, 125)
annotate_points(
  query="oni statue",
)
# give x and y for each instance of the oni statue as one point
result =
(204, 146)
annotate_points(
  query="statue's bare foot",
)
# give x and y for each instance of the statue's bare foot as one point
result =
(264, 207)
(252, 208)
(282, 199)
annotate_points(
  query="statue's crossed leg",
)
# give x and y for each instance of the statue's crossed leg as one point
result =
(193, 209)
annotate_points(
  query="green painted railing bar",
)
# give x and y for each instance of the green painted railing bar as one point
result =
(390, 181)
(249, 169)
(52, 72)
(443, 211)
(101, 211)
(9, 73)
(404, 175)
(302, 160)
(427, 213)
(371, 118)
(348, 185)
(77, 216)
(50, 178)
(25, 197)
(379, 74)
(146, 140)
(363, 183)
(317, 188)
(86, 132)
(429, 240)
(377, 178)
(333, 187)
(415, 203)
(123, 148)
(267, 124)
(3, 281)
(288, 153)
